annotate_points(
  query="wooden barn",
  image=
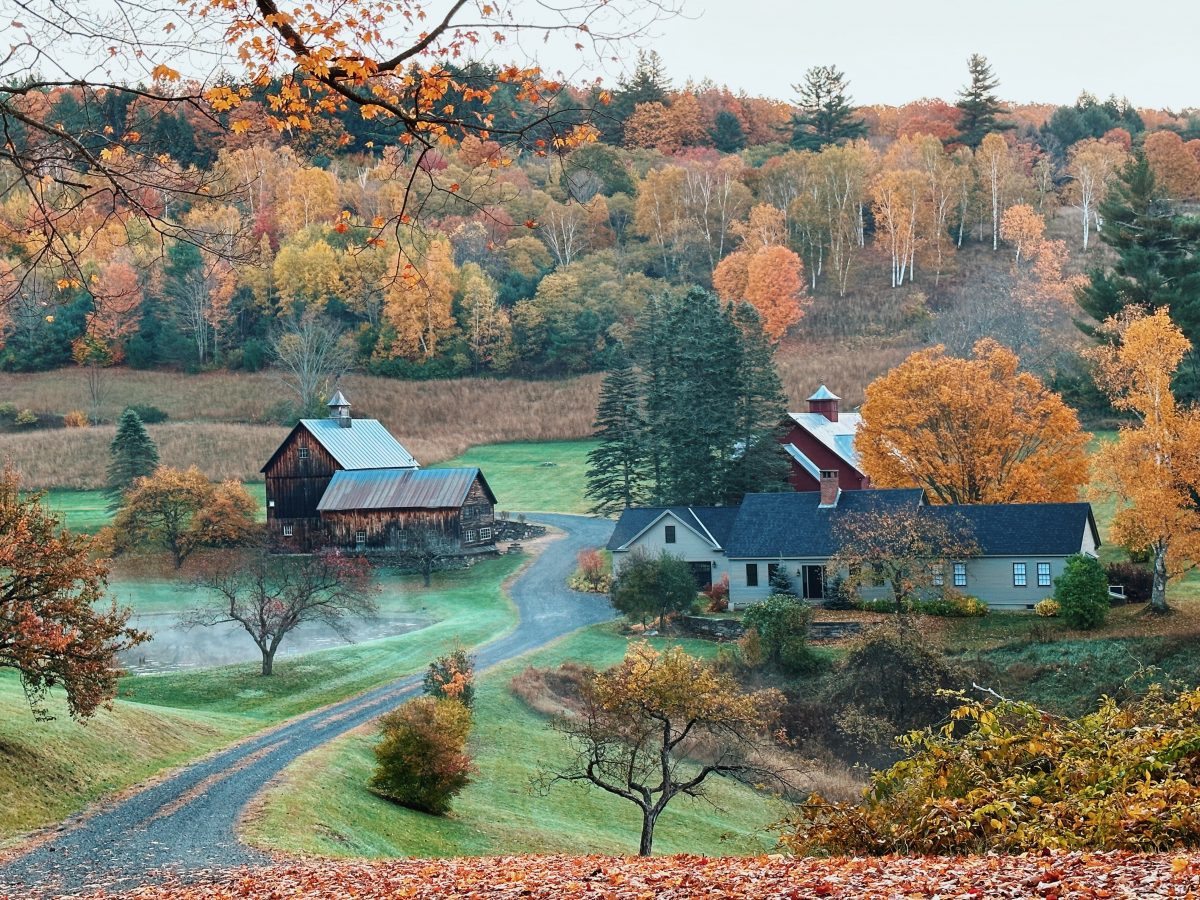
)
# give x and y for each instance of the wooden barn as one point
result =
(820, 443)
(348, 483)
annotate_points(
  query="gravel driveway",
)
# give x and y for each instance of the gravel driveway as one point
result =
(187, 821)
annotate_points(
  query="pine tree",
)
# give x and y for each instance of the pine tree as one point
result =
(727, 135)
(132, 456)
(761, 464)
(1157, 261)
(979, 104)
(647, 84)
(826, 114)
(616, 471)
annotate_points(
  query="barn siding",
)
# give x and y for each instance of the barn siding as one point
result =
(294, 488)
(849, 478)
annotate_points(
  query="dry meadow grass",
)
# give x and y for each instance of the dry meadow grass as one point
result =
(220, 423)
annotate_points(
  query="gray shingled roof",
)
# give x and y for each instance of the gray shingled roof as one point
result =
(400, 489)
(366, 444)
(795, 525)
(716, 520)
(1026, 529)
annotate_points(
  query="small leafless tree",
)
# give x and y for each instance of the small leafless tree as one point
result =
(269, 596)
(313, 354)
(425, 550)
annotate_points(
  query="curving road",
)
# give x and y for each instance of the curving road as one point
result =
(187, 821)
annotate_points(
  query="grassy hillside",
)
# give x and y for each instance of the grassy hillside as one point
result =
(529, 477)
(321, 805)
(48, 770)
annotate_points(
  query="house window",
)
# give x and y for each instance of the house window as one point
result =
(960, 574)
(1043, 571)
(469, 536)
(360, 540)
(287, 530)
(935, 572)
(469, 512)
(670, 531)
(751, 574)
(302, 453)
(1019, 579)
(485, 534)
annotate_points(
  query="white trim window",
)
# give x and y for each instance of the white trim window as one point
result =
(485, 534)
(302, 453)
(937, 574)
(469, 536)
(1043, 574)
(960, 574)
(1020, 577)
(287, 530)
(360, 540)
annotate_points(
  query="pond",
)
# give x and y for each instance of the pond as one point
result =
(173, 647)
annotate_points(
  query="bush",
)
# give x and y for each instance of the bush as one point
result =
(8, 410)
(150, 415)
(718, 595)
(653, 586)
(781, 583)
(593, 574)
(1082, 592)
(1048, 608)
(1011, 778)
(953, 606)
(26, 417)
(1137, 580)
(882, 605)
(421, 762)
(76, 418)
(779, 626)
(452, 677)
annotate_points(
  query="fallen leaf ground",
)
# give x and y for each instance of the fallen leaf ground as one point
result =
(1059, 876)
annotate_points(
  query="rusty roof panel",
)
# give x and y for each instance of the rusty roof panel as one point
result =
(398, 489)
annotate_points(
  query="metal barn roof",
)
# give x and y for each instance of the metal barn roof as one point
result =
(837, 436)
(400, 489)
(366, 444)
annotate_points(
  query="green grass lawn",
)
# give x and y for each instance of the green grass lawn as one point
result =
(547, 477)
(48, 770)
(468, 607)
(87, 511)
(321, 805)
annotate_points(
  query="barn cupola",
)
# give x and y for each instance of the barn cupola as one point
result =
(339, 409)
(824, 402)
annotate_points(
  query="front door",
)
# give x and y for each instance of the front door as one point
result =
(814, 582)
(702, 572)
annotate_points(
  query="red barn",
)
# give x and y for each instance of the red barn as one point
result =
(822, 441)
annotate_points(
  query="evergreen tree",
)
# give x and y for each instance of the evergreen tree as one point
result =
(826, 114)
(979, 104)
(132, 455)
(761, 464)
(655, 353)
(727, 135)
(1157, 261)
(647, 84)
(616, 471)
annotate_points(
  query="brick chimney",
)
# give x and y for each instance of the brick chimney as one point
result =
(824, 402)
(829, 487)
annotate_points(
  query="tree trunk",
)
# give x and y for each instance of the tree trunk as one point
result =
(426, 572)
(646, 845)
(1158, 593)
(268, 661)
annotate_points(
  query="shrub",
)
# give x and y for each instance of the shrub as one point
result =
(150, 415)
(26, 417)
(8, 410)
(882, 605)
(1082, 592)
(421, 761)
(718, 595)
(76, 418)
(1011, 778)
(1048, 608)
(593, 574)
(452, 677)
(780, 624)
(952, 606)
(653, 586)
(1137, 580)
(837, 595)
(781, 583)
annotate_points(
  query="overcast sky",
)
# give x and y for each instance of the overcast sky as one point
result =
(892, 52)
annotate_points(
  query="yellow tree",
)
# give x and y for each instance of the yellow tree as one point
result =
(1176, 170)
(900, 209)
(418, 305)
(1024, 229)
(971, 430)
(652, 126)
(996, 166)
(1092, 166)
(1153, 467)
(774, 287)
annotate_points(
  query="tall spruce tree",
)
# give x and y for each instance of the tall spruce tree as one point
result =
(826, 114)
(761, 464)
(648, 84)
(132, 455)
(979, 104)
(1157, 261)
(616, 474)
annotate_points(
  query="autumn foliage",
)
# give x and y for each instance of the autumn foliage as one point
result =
(971, 431)
(55, 629)
(1010, 778)
(421, 761)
